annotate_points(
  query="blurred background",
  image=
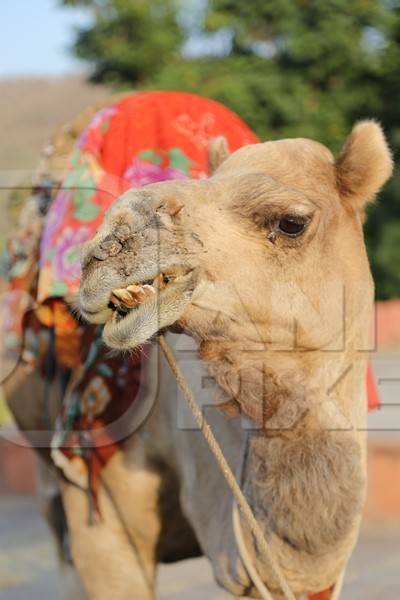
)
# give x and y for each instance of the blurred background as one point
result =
(289, 68)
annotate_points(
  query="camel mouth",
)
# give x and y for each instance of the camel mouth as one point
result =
(139, 311)
(123, 300)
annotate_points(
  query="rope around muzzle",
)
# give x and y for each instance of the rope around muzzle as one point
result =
(229, 477)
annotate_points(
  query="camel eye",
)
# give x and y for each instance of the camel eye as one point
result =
(292, 226)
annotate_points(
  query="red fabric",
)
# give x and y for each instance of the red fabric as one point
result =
(161, 120)
(325, 595)
(372, 389)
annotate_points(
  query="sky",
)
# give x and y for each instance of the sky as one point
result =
(35, 36)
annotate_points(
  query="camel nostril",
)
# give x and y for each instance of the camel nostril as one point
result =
(99, 254)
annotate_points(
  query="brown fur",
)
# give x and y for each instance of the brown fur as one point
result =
(312, 485)
(364, 164)
(218, 151)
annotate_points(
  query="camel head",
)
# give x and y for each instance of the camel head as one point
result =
(266, 254)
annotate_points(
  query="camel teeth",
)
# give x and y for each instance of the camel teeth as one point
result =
(121, 294)
(123, 297)
(150, 288)
(134, 289)
(158, 280)
(132, 295)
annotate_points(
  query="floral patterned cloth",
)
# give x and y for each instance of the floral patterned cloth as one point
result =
(101, 391)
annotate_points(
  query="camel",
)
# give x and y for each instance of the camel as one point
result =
(263, 266)
(158, 464)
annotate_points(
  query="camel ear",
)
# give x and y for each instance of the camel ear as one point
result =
(364, 164)
(218, 151)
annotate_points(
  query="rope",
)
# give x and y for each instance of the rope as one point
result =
(254, 576)
(238, 531)
(244, 554)
(215, 448)
(337, 590)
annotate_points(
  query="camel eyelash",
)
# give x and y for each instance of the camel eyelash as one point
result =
(287, 225)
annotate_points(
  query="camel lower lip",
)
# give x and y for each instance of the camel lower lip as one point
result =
(140, 322)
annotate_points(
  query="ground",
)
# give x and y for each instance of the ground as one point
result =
(28, 566)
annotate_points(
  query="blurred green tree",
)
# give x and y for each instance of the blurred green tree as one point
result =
(129, 41)
(287, 67)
